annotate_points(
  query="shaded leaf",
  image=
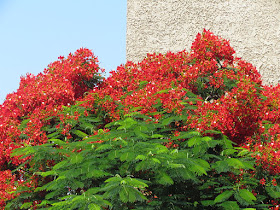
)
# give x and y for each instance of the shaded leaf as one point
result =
(223, 196)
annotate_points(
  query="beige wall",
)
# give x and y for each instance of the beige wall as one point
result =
(252, 26)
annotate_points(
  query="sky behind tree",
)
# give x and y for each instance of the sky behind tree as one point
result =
(35, 33)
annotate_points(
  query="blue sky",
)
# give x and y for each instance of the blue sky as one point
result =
(35, 33)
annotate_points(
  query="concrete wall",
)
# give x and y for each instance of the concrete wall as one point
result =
(252, 26)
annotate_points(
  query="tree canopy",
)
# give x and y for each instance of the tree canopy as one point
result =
(184, 130)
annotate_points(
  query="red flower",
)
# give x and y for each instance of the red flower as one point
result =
(274, 182)
(262, 181)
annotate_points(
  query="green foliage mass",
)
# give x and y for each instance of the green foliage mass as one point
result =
(132, 167)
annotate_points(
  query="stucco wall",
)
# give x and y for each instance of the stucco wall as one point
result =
(252, 26)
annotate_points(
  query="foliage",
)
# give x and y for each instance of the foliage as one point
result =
(132, 168)
(181, 130)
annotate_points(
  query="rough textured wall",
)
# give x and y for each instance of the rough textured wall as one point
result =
(252, 26)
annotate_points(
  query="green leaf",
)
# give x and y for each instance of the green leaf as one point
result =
(168, 120)
(60, 164)
(243, 152)
(141, 157)
(92, 191)
(114, 154)
(127, 123)
(212, 132)
(48, 173)
(25, 150)
(203, 163)
(54, 135)
(206, 138)
(43, 203)
(207, 203)
(272, 192)
(86, 126)
(26, 205)
(249, 165)
(93, 120)
(94, 206)
(116, 178)
(199, 170)
(160, 148)
(56, 141)
(96, 173)
(191, 107)
(142, 84)
(226, 143)
(79, 133)
(230, 151)
(163, 91)
(156, 136)
(247, 195)
(127, 156)
(189, 93)
(76, 158)
(235, 163)
(141, 135)
(221, 166)
(104, 147)
(19, 151)
(124, 194)
(173, 165)
(194, 141)
(51, 195)
(124, 143)
(230, 205)
(164, 179)
(77, 184)
(136, 182)
(156, 160)
(23, 124)
(223, 196)
(187, 135)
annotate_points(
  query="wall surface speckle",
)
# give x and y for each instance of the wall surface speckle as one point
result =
(252, 26)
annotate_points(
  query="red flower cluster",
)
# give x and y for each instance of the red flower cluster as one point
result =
(237, 113)
(164, 79)
(209, 47)
(6, 186)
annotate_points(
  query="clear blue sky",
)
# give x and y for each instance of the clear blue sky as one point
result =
(34, 33)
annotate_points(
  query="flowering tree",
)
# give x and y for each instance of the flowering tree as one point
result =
(26, 112)
(144, 136)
